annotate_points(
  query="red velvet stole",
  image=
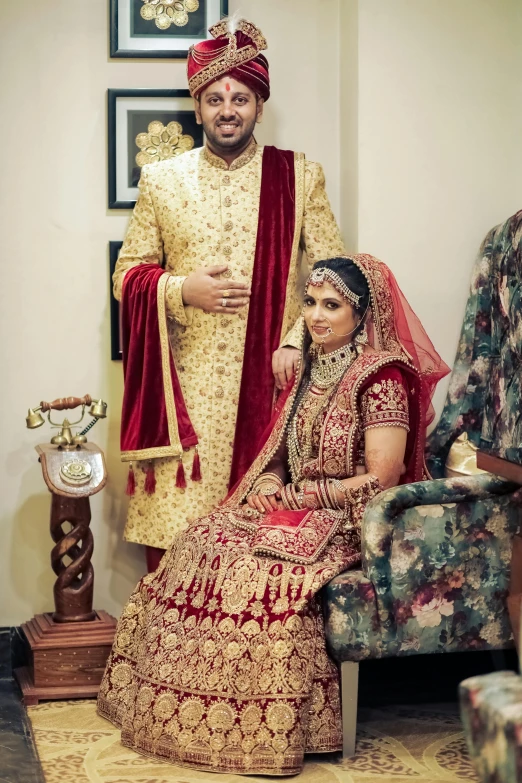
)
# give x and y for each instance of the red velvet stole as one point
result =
(155, 421)
(275, 235)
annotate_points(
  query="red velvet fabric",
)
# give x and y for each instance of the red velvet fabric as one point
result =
(144, 422)
(275, 234)
(153, 557)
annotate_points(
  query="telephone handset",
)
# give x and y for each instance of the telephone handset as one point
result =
(65, 438)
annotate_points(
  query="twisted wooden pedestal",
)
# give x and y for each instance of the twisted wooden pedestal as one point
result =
(69, 647)
(73, 589)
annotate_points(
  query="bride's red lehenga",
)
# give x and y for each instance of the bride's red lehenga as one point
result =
(220, 661)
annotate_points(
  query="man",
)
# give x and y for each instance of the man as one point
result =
(228, 223)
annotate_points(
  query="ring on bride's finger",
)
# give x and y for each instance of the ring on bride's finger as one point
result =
(223, 302)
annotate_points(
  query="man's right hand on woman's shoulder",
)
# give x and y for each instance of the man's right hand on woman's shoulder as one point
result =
(203, 289)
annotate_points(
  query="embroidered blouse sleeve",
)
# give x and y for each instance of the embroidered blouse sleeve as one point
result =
(384, 401)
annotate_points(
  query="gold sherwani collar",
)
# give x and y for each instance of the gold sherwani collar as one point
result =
(238, 163)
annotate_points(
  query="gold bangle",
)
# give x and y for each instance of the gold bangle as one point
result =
(268, 478)
(310, 496)
(345, 491)
(289, 498)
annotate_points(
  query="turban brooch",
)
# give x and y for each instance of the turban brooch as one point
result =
(234, 50)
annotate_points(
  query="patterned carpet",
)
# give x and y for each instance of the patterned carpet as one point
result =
(395, 745)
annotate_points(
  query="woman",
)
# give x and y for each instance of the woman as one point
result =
(220, 660)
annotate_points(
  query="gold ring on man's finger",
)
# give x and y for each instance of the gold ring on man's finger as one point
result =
(226, 294)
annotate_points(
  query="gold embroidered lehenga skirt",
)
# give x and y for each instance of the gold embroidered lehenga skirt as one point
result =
(219, 661)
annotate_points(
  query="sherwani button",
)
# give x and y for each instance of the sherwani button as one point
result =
(220, 392)
(227, 273)
(226, 180)
(227, 250)
(228, 226)
(220, 370)
(227, 201)
(221, 346)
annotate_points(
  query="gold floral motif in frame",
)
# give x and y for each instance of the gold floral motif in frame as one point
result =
(162, 142)
(168, 12)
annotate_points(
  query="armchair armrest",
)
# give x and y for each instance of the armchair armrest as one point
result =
(438, 553)
(383, 514)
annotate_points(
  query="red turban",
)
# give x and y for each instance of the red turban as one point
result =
(236, 51)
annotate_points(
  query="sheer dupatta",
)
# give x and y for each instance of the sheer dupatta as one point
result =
(394, 327)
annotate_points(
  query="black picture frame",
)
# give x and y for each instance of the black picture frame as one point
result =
(179, 46)
(114, 306)
(147, 104)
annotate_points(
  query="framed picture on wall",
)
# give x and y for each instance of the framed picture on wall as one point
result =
(145, 126)
(116, 353)
(161, 28)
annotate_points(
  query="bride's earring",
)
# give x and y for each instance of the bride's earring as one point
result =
(362, 337)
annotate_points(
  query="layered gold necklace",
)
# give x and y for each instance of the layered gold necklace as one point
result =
(326, 373)
(328, 368)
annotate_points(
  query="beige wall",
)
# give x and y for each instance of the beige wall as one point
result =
(304, 109)
(416, 128)
(440, 124)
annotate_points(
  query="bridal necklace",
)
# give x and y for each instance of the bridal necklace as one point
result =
(325, 374)
(328, 368)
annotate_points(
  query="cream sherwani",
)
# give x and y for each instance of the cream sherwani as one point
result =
(194, 211)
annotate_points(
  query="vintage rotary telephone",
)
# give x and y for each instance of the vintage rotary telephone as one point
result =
(65, 439)
(65, 470)
(69, 647)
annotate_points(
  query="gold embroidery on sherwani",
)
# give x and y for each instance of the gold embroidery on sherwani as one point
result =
(241, 160)
(182, 218)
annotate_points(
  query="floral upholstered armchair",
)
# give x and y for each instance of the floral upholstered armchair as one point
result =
(436, 554)
(491, 711)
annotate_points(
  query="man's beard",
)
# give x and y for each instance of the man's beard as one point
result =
(228, 145)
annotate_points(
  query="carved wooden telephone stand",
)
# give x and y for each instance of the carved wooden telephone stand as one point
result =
(69, 647)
